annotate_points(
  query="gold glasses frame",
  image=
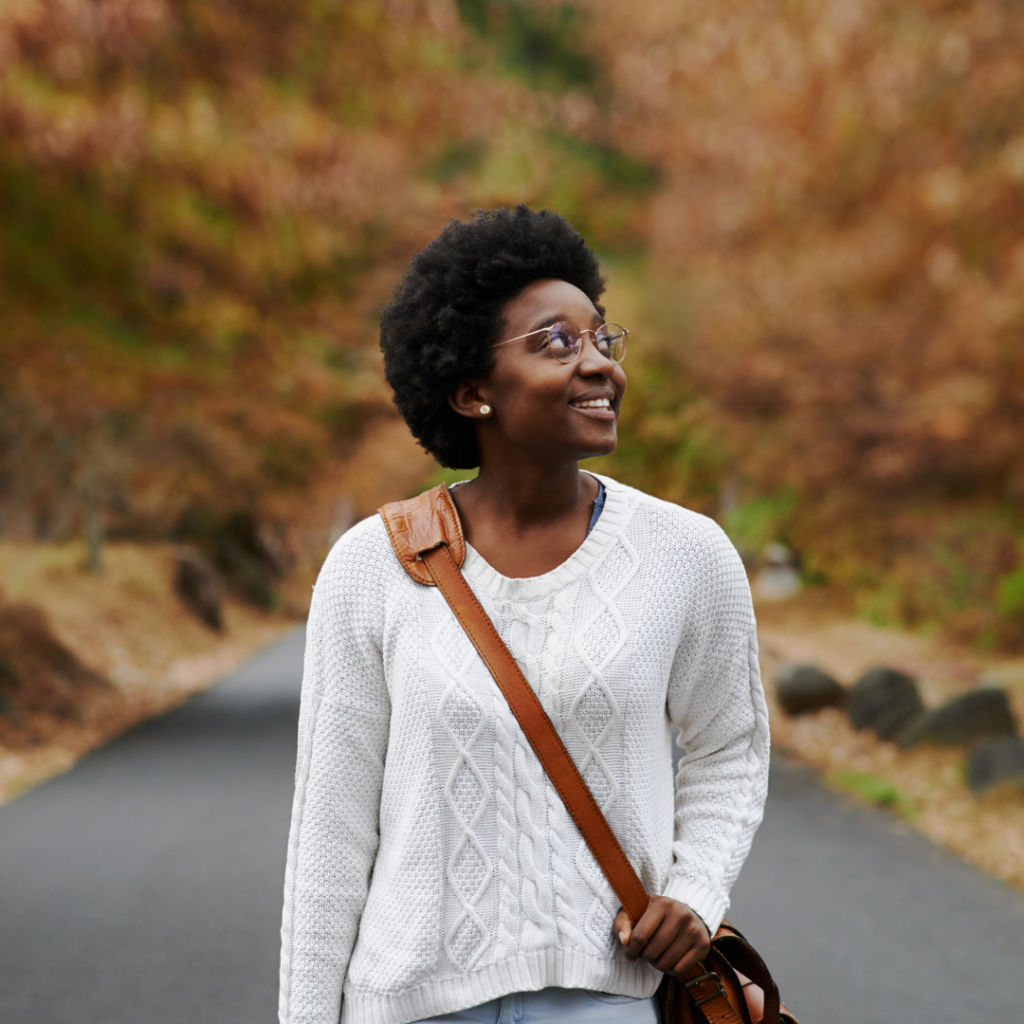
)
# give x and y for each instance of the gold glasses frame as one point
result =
(550, 327)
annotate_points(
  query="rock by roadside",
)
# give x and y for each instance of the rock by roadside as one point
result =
(885, 701)
(802, 689)
(996, 762)
(42, 683)
(200, 586)
(976, 716)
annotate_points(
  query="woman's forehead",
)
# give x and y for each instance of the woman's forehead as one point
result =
(549, 300)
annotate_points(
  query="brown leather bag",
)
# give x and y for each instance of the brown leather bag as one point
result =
(732, 985)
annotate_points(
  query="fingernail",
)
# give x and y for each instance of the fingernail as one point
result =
(623, 937)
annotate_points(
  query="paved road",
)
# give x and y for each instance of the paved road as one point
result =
(144, 887)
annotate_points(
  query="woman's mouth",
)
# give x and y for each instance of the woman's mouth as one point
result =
(599, 406)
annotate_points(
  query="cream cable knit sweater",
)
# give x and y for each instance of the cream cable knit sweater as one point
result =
(431, 865)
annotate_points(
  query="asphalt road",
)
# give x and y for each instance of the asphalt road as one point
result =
(144, 887)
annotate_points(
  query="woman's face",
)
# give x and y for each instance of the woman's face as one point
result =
(537, 402)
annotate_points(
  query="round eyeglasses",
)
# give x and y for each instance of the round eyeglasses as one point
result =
(565, 341)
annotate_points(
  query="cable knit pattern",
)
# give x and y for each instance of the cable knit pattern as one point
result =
(505, 808)
(431, 864)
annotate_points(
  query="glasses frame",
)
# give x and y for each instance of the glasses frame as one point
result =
(587, 330)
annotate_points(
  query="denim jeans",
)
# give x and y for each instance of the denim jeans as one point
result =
(556, 1006)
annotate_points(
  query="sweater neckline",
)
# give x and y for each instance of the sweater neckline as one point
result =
(531, 588)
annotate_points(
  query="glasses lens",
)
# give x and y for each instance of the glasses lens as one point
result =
(564, 341)
(611, 340)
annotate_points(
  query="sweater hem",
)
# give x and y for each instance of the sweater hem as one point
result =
(527, 973)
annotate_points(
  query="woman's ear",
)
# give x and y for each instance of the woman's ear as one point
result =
(468, 400)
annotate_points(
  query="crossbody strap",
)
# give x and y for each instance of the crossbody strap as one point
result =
(546, 742)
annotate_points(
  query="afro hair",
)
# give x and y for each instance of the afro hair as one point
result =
(447, 311)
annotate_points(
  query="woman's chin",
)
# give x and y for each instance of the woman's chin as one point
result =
(595, 451)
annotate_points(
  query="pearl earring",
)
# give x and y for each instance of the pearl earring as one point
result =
(485, 410)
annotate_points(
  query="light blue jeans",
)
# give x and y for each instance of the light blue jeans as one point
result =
(556, 1006)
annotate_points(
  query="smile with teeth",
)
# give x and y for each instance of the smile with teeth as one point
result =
(593, 403)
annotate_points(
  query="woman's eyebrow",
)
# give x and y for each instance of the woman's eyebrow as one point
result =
(548, 321)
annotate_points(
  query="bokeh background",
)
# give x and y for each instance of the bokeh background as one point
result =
(811, 216)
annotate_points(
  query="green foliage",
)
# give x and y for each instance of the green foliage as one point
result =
(476, 14)
(665, 446)
(441, 475)
(537, 44)
(620, 171)
(1010, 595)
(761, 520)
(541, 46)
(873, 790)
(461, 157)
(957, 568)
(64, 243)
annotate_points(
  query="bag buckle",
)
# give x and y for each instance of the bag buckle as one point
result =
(719, 991)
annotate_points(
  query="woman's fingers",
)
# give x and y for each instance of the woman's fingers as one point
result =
(685, 946)
(670, 954)
(669, 935)
(622, 926)
(645, 928)
(689, 960)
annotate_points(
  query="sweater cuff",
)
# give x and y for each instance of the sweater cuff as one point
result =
(707, 904)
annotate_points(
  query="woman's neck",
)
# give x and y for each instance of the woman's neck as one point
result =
(525, 497)
(526, 520)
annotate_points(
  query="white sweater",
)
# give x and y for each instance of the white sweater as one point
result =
(431, 865)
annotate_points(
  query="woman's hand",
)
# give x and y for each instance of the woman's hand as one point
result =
(669, 935)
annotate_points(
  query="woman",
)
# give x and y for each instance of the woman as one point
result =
(432, 869)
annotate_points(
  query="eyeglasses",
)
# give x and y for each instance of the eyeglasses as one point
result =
(565, 341)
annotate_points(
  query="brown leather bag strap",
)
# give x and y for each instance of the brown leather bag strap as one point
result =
(546, 743)
(422, 524)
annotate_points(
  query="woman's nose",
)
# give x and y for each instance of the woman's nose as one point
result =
(593, 360)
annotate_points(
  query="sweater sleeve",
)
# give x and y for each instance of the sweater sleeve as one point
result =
(343, 732)
(716, 700)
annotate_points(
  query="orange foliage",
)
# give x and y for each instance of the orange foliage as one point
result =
(817, 207)
(192, 195)
(844, 198)
(842, 212)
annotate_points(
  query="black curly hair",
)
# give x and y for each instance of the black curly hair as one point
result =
(447, 310)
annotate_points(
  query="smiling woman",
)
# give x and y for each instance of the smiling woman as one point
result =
(433, 872)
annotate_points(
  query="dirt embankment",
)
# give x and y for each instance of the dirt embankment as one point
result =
(925, 784)
(100, 653)
(84, 657)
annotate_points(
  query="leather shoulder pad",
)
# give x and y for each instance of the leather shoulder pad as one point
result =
(422, 524)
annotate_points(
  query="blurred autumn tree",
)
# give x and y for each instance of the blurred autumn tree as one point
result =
(204, 204)
(813, 213)
(838, 247)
